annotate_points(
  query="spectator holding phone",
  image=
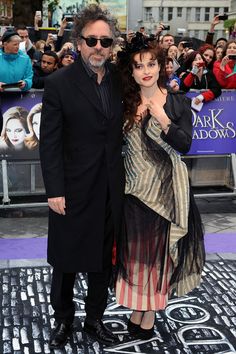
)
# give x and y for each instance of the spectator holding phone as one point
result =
(197, 76)
(208, 53)
(172, 80)
(225, 70)
(219, 52)
(15, 66)
(216, 20)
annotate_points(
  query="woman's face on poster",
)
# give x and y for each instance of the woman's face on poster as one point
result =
(36, 123)
(15, 132)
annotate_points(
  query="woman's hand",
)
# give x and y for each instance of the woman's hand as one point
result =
(159, 114)
(22, 84)
(1, 88)
(223, 62)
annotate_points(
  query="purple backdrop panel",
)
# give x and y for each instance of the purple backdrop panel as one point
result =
(214, 127)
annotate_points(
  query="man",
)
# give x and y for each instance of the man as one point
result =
(80, 149)
(166, 41)
(43, 68)
(24, 35)
(15, 66)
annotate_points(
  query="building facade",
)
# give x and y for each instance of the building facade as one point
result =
(185, 17)
(6, 13)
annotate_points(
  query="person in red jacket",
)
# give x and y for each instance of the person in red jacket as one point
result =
(198, 77)
(225, 70)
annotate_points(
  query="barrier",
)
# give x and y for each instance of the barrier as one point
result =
(211, 160)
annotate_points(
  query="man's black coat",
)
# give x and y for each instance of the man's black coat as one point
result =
(80, 150)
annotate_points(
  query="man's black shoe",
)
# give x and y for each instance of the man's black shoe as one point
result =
(100, 332)
(60, 335)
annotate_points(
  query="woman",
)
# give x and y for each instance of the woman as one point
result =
(33, 121)
(225, 70)
(173, 81)
(14, 129)
(219, 52)
(67, 58)
(198, 77)
(162, 250)
(208, 53)
(173, 53)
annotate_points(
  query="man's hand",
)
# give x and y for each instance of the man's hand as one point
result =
(63, 23)
(159, 29)
(57, 204)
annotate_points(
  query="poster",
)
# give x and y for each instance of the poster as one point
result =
(118, 8)
(21, 122)
(214, 127)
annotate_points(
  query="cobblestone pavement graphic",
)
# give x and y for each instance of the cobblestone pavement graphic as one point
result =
(202, 322)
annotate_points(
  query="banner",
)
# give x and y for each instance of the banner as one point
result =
(214, 127)
(21, 121)
(118, 8)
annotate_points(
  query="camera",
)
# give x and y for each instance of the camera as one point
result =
(201, 64)
(69, 18)
(223, 17)
(232, 56)
(187, 44)
(166, 27)
(54, 37)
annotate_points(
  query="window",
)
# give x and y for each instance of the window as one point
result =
(226, 9)
(196, 34)
(207, 13)
(170, 13)
(179, 11)
(148, 13)
(197, 14)
(188, 14)
(216, 11)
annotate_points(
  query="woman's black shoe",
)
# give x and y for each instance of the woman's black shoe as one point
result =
(132, 328)
(145, 333)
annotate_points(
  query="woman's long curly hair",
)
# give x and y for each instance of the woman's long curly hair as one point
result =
(132, 98)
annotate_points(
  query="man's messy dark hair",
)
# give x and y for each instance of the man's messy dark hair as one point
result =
(91, 14)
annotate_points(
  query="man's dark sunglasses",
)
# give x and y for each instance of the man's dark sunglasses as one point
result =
(92, 41)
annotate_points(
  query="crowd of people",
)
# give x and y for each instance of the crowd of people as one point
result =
(210, 68)
(118, 89)
(25, 62)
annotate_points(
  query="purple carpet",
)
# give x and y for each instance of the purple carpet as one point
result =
(23, 248)
(30, 248)
(220, 243)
